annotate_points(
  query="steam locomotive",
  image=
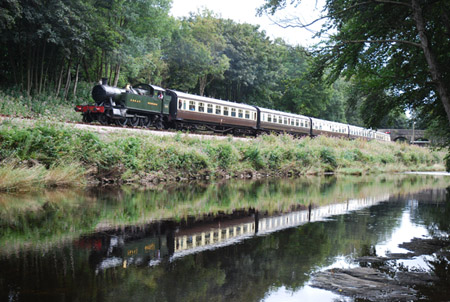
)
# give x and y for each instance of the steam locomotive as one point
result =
(148, 105)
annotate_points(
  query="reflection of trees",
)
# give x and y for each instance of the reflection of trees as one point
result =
(241, 272)
(435, 213)
(49, 217)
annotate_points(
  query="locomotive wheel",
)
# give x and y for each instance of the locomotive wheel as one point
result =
(87, 118)
(134, 121)
(158, 123)
(103, 119)
(146, 122)
(122, 122)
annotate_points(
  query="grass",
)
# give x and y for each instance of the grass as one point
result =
(48, 154)
(22, 177)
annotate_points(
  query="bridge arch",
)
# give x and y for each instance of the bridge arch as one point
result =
(401, 139)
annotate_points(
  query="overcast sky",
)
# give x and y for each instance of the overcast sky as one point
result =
(244, 11)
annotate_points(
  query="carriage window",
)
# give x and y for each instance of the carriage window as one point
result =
(218, 109)
(225, 111)
(292, 122)
(210, 108)
(233, 112)
(247, 114)
(240, 113)
(297, 123)
(201, 107)
(180, 104)
(275, 119)
(280, 120)
(285, 121)
(269, 118)
(254, 116)
(191, 105)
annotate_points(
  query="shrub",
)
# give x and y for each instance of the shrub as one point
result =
(328, 157)
(253, 155)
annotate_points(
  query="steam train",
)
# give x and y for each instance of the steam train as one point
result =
(148, 105)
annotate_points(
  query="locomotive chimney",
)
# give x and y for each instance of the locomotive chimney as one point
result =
(104, 81)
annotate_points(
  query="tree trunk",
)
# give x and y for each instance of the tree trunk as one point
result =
(86, 70)
(431, 58)
(47, 76)
(76, 80)
(69, 77)
(36, 68)
(41, 80)
(202, 84)
(100, 71)
(105, 61)
(58, 89)
(29, 75)
(116, 75)
(110, 73)
(12, 63)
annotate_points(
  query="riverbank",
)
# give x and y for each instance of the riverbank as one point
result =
(48, 154)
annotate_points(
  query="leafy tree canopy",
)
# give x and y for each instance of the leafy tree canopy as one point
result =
(397, 52)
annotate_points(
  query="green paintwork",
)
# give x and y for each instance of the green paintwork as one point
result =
(152, 246)
(142, 102)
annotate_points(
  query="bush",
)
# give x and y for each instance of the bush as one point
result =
(328, 156)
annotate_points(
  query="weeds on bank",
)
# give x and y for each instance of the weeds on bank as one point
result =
(47, 154)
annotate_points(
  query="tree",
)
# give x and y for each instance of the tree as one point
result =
(196, 53)
(400, 46)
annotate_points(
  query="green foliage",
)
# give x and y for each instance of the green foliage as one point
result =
(329, 158)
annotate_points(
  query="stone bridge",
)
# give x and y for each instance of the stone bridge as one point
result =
(412, 136)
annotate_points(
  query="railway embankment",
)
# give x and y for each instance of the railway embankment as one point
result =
(44, 154)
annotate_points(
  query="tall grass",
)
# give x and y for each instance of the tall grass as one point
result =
(44, 106)
(63, 154)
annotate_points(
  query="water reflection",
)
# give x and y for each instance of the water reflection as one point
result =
(240, 241)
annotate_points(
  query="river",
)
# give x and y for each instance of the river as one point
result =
(234, 241)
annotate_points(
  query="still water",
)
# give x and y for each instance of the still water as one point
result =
(233, 241)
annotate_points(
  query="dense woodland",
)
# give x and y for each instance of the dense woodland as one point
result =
(368, 73)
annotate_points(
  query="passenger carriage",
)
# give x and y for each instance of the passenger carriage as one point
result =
(195, 112)
(323, 127)
(278, 121)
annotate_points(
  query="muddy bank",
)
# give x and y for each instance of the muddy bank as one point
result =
(383, 279)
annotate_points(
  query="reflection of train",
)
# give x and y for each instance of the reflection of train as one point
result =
(151, 244)
(148, 105)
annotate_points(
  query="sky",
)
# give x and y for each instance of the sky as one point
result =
(244, 11)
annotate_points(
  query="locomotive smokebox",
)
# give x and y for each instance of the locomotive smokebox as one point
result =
(101, 93)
